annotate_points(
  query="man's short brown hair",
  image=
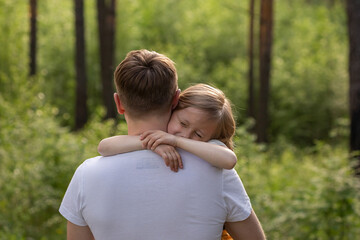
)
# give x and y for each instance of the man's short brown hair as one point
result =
(146, 81)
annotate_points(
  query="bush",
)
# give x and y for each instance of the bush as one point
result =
(301, 194)
(38, 158)
(309, 59)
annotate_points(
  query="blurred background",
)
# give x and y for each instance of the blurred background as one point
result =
(283, 64)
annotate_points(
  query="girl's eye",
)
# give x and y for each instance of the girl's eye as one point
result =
(198, 135)
(182, 124)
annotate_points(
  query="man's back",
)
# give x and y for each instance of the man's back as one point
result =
(135, 196)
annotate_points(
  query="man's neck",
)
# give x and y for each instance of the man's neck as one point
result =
(149, 123)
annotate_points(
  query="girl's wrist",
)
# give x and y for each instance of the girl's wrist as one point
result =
(176, 141)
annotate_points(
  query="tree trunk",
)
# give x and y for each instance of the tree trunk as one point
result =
(81, 113)
(106, 23)
(251, 103)
(353, 12)
(33, 17)
(266, 24)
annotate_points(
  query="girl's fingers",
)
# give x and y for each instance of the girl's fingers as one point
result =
(172, 166)
(145, 142)
(166, 160)
(178, 157)
(150, 143)
(144, 135)
(176, 163)
(156, 143)
(171, 157)
(173, 160)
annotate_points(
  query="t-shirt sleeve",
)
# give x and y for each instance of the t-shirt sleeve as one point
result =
(217, 142)
(72, 203)
(237, 201)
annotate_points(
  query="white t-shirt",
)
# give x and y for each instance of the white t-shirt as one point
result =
(135, 196)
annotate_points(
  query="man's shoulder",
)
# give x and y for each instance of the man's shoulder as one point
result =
(90, 161)
(98, 159)
(99, 162)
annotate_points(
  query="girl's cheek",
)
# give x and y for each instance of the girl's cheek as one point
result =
(175, 129)
(171, 129)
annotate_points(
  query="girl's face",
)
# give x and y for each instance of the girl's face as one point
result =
(192, 123)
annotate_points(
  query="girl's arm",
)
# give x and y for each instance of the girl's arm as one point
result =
(216, 155)
(119, 144)
(125, 143)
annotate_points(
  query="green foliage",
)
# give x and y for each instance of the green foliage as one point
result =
(208, 41)
(38, 158)
(309, 71)
(13, 41)
(299, 194)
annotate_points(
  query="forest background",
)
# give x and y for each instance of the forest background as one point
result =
(301, 183)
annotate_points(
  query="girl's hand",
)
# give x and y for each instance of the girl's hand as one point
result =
(153, 138)
(170, 156)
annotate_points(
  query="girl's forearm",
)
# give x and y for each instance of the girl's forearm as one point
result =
(218, 156)
(119, 144)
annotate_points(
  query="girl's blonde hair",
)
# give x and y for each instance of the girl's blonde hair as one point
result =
(214, 102)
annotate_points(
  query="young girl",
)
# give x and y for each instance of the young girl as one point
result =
(203, 114)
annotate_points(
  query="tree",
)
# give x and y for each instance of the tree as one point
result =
(33, 17)
(106, 24)
(353, 13)
(266, 25)
(81, 113)
(251, 100)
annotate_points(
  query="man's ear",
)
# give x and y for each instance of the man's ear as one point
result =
(175, 99)
(119, 106)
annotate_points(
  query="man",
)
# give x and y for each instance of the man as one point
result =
(134, 195)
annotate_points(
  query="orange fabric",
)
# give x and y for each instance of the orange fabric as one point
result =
(226, 236)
